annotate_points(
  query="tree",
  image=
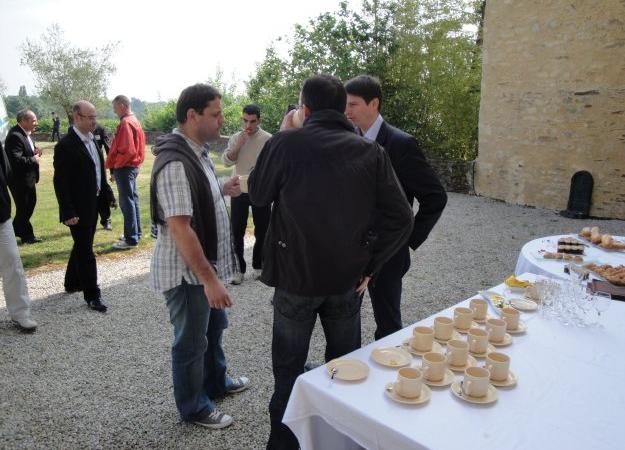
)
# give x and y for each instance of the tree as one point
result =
(65, 73)
(22, 92)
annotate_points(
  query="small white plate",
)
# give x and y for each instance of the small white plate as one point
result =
(507, 340)
(471, 362)
(446, 381)
(522, 328)
(523, 304)
(508, 382)
(391, 357)
(436, 348)
(348, 369)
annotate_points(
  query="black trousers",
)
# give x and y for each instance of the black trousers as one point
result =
(25, 199)
(55, 134)
(82, 273)
(386, 294)
(294, 318)
(105, 213)
(239, 212)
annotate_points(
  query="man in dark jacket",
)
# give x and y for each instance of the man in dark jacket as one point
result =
(11, 270)
(80, 185)
(338, 215)
(418, 180)
(102, 141)
(24, 160)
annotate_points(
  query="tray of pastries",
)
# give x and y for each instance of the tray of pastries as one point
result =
(613, 274)
(602, 240)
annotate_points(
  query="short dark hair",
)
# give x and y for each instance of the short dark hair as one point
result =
(365, 86)
(252, 109)
(195, 97)
(324, 92)
(122, 100)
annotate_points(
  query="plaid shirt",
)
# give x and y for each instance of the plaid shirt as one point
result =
(167, 268)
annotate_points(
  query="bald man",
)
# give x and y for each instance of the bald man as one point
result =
(81, 188)
(23, 158)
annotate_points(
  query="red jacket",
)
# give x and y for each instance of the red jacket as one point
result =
(128, 146)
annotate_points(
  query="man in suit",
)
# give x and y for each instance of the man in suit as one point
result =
(102, 141)
(418, 180)
(11, 269)
(56, 127)
(80, 185)
(24, 160)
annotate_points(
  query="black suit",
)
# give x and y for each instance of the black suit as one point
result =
(419, 181)
(22, 184)
(102, 140)
(76, 192)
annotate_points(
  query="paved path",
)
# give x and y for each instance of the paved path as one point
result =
(88, 380)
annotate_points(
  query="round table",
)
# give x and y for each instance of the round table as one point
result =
(531, 260)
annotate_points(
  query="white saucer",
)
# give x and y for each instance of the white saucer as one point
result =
(446, 381)
(523, 304)
(490, 396)
(436, 348)
(474, 324)
(471, 361)
(425, 395)
(489, 349)
(507, 340)
(348, 369)
(509, 382)
(454, 335)
(482, 321)
(391, 357)
(522, 328)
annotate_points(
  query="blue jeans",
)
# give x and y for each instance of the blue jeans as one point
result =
(126, 180)
(197, 356)
(294, 318)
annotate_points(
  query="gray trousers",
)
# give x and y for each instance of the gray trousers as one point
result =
(12, 274)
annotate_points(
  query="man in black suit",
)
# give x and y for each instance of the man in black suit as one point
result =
(24, 158)
(80, 185)
(418, 180)
(102, 141)
(56, 127)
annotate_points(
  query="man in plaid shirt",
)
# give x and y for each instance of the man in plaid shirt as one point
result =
(193, 254)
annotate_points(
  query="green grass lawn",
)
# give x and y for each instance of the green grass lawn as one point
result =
(57, 241)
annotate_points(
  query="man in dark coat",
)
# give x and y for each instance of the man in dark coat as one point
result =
(338, 214)
(23, 157)
(102, 141)
(80, 185)
(418, 180)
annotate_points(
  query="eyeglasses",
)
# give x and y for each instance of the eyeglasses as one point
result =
(88, 117)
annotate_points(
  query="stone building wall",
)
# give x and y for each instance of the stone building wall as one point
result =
(553, 102)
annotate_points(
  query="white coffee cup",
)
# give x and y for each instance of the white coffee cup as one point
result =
(443, 328)
(478, 340)
(463, 318)
(476, 382)
(479, 307)
(434, 366)
(422, 339)
(409, 382)
(498, 364)
(457, 352)
(496, 329)
(511, 316)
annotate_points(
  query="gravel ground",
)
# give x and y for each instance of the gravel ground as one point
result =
(91, 380)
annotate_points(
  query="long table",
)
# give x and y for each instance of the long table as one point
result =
(570, 394)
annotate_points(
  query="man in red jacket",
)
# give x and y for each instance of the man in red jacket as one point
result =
(126, 155)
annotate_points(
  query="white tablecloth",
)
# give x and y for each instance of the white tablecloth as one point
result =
(570, 394)
(531, 261)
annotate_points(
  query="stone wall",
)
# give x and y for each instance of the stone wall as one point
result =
(553, 102)
(456, 176)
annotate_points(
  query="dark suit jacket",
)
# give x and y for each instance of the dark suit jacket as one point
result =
(75, 180)
(417, 178)
(5, 199)
(22, 158)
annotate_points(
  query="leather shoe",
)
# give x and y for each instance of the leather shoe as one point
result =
(32, 240)
(97, 305)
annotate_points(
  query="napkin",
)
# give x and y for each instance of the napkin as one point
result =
(617, 292)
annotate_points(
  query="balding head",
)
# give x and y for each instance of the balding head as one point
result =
(27, 119)
(84, 116)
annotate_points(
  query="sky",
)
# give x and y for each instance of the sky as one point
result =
(164, 46)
